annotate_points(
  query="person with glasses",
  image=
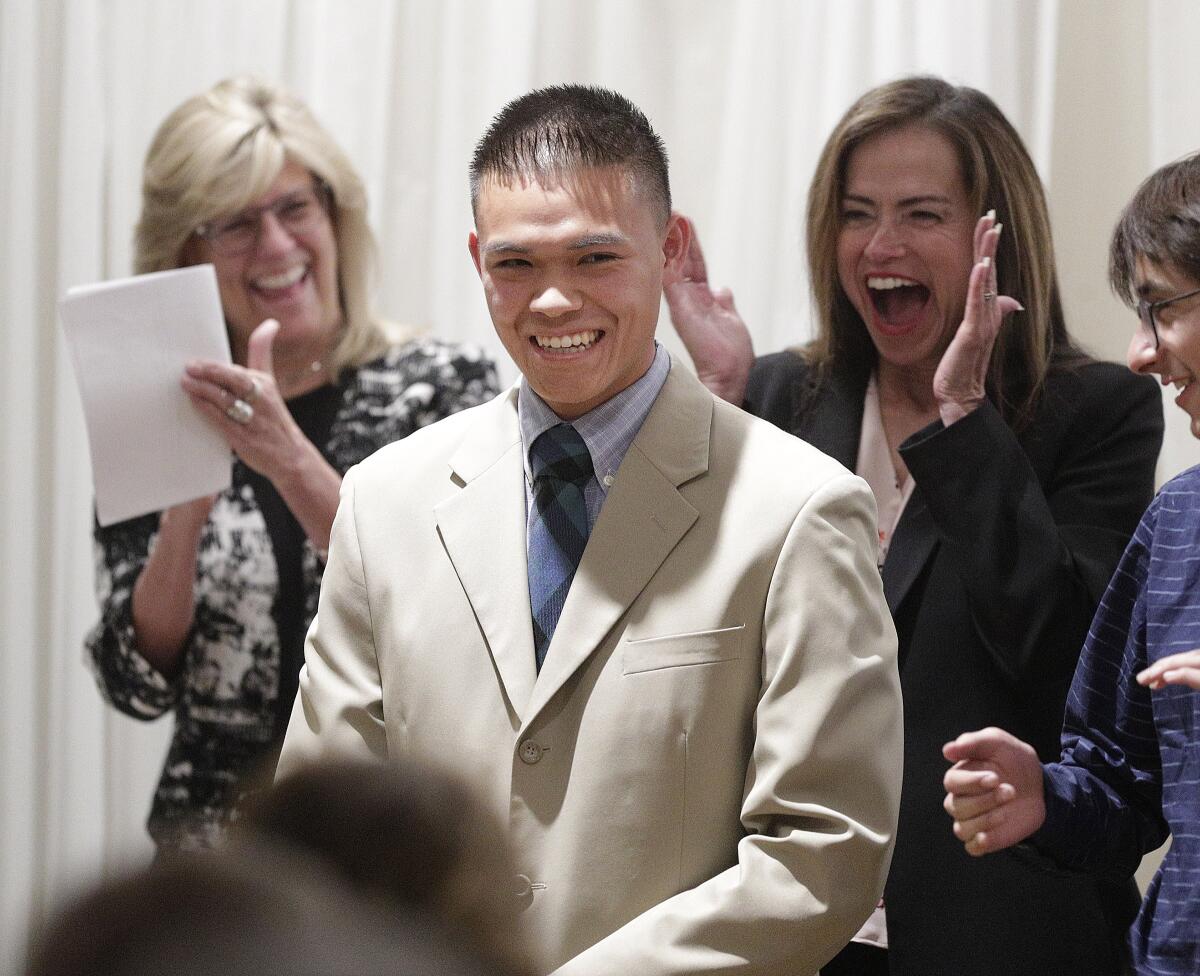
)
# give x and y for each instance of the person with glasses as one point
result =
(1131, 740)
(204, 607)
(1009, 469)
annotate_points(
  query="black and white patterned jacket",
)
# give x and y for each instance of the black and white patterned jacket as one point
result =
(224, 697)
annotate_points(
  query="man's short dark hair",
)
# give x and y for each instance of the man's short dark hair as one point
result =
(1161, 224)
(553, 130)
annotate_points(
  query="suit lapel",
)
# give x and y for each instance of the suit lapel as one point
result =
(483, 529)
(912, 544)
(831, 420)
(643, 519)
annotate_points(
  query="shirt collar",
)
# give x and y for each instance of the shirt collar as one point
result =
(607, 429)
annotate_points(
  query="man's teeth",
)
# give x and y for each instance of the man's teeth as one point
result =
(566, 341)
(886, 284)
(283, 280)
(1179, 382)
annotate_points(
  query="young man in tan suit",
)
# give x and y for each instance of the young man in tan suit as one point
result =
(658, 647)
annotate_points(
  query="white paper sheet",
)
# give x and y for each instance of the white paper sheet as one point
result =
(129, 341)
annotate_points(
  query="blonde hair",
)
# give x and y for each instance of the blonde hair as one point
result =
(223, 148)
(999, 174)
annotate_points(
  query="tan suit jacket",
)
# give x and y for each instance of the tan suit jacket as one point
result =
(705, 775)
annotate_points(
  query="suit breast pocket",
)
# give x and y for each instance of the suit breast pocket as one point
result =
(655, 653)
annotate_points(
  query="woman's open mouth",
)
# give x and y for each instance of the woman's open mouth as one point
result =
(283, 285)
(898, 302)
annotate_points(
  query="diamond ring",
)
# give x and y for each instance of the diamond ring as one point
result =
(240, 411)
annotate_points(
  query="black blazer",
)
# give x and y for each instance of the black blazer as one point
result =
(992, 577)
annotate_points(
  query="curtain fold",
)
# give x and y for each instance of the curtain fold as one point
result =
(744, 95)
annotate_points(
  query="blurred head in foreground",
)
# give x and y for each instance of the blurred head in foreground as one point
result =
(263, 912)
(404, 837)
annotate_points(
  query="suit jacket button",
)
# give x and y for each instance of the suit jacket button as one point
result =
(522, 886)
(530, 752)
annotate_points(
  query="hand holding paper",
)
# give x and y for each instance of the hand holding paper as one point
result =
(265, 436)
(246, 405)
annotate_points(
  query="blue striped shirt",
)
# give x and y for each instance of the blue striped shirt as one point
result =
(1130, 768)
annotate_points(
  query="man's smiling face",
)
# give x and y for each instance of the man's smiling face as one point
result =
(573, 275)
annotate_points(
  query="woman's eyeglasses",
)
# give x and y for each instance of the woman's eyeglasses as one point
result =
(297, 213)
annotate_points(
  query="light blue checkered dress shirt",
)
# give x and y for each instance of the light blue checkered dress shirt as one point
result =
(607, 430)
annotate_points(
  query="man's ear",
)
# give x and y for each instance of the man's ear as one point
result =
(675, 247)
(473, 247)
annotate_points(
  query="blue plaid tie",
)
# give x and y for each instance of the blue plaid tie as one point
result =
(558, 528)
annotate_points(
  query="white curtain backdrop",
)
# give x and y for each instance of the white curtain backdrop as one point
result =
(744, 94)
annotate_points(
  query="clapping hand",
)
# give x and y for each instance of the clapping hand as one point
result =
(711, 330)
(245, 405)
(959, 385)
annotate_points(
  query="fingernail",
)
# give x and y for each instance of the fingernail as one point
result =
(992, 214)
(1019, 308)
(987, 261)
(998, 228)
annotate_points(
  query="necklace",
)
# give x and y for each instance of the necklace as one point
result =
(311, 369)
(301, 379)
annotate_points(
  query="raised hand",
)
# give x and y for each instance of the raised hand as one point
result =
(245, 405)
(708, 324)
(959, 385)
(993, 790)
